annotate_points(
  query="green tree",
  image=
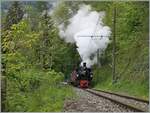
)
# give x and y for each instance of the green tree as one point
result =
(46, 45)
(41, 6)
(15, 14)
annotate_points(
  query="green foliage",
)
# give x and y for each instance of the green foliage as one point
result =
(131, 49)
(61, 14)
(19, 44)
(42, 87)
(41, 5)
(15, 14)
(103, 80)
(26, 46)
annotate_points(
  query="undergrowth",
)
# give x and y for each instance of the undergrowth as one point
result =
(37, 91)
(103, 80)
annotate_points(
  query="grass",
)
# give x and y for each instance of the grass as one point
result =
(103, 80)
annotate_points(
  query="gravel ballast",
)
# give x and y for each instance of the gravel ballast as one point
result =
(87, 102)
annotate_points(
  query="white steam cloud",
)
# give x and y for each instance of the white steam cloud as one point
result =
(83, 25)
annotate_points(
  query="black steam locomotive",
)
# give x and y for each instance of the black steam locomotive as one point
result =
(82, 76)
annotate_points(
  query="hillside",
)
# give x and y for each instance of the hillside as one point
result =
(132, 65)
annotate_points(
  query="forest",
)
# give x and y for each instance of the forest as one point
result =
(36, 60)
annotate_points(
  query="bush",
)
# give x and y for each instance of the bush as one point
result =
(34, 90)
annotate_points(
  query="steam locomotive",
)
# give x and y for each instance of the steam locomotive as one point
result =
(82, 77)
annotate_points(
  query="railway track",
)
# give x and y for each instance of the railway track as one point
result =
(139, 105)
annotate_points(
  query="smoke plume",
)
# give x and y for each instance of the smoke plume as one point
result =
(85, 29)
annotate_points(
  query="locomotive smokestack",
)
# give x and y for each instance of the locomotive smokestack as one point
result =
(84, 64)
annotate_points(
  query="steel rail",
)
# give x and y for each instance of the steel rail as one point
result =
(118, 101)
(125, 96)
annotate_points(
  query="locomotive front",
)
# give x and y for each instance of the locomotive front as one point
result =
(82, 76)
